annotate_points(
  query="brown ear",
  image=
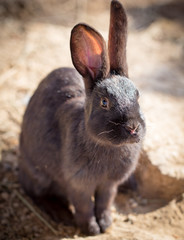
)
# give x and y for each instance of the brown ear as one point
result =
(118, 39)
(89, 54)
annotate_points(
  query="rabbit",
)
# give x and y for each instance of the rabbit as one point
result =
(83, 129)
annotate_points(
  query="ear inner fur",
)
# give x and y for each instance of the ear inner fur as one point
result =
(89, 54)
(118, 39)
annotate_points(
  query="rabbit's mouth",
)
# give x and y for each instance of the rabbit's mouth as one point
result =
(122, 139)
(116, 132)
(120, 135)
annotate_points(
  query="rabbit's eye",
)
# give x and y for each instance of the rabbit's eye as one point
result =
(104, 103)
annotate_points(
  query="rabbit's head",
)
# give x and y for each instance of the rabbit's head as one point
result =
(112, 112)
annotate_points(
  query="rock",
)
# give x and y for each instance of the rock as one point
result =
(161, 170)
(4, 221)
(5, 196)
(160, 173)
(133, 203)
(144, 202)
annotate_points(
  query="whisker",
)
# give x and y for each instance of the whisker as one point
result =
(115, 123)
(105, 132)
(96, 144)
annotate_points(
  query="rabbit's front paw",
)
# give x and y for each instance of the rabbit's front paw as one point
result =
(90, 227)
(93, 227)
(105, 220)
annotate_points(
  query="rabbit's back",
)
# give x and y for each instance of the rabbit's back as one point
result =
(40, 139)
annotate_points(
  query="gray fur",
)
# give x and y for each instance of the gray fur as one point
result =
(74, 149)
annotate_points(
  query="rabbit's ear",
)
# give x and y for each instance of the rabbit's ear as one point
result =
(118, 39)
(89, 54)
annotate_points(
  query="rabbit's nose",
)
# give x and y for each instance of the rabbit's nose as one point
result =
(132, 129)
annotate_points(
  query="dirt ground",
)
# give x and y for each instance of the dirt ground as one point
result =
(34, 39)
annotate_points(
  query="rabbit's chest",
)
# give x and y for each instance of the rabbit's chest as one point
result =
(95, 167)
(121, 168)
(101, 169)
(115, 165)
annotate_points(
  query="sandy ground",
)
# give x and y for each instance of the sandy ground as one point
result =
(34, 40)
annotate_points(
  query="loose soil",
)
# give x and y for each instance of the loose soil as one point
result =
(34, 40)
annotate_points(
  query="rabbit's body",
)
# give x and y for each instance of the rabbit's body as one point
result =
(41, 139)
(46, 146)
(81, 137)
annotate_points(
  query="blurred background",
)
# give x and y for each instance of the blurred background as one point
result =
(34, 40)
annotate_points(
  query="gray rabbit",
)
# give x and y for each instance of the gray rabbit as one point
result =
(82, 131)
